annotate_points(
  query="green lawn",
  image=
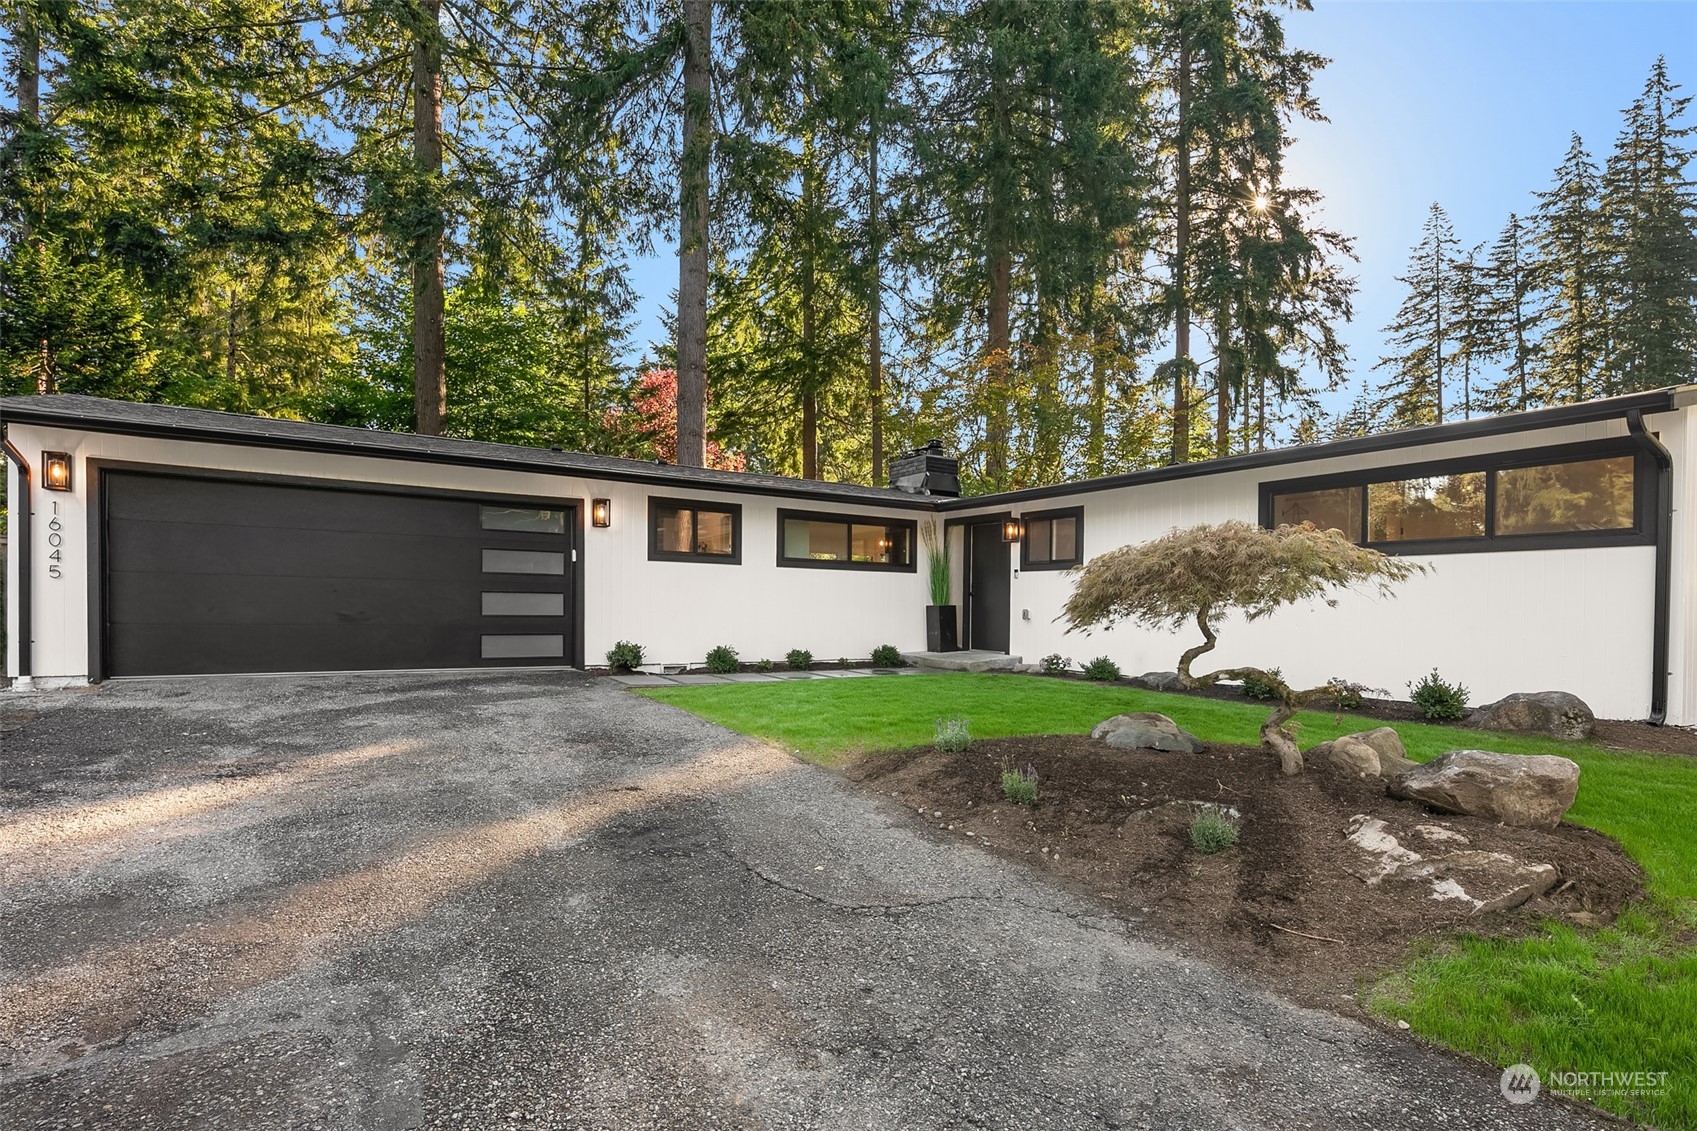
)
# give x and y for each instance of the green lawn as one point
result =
(1619, 999)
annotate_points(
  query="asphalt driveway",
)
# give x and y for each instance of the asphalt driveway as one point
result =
(539, 900)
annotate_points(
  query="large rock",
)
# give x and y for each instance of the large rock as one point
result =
(1145, 730)
(1376, 753)
(1537, 712)
(1161, 681)
(1483, 881)
(1517, 789)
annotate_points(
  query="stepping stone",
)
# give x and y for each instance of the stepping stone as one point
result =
(641, 679)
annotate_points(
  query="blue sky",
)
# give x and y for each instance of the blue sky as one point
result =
(1466, 103)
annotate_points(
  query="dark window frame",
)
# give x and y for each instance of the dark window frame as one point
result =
(1644, 511)
(655, 554)
(850, 521)
(1025, 562)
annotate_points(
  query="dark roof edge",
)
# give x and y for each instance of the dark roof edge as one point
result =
(534, 460)
(1657, 400)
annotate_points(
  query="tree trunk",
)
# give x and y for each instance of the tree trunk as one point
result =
(230, 360)
(809, 320)
(1096, 455)
(693, 193)
(998, 351)
(1224, 375)
(1181, 264)
(26, 47)
(875, 307)
(429, 361)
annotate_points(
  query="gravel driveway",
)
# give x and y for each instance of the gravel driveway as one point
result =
(539, 900)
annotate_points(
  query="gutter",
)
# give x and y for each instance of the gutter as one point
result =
(1654, 448)
(26, 559)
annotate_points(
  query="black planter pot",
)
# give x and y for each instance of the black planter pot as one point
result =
(940, 633)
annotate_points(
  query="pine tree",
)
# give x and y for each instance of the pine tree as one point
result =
(1651, 211)
(1572, 244)
(1512, 300)
(1475, 327)
(1422, 331)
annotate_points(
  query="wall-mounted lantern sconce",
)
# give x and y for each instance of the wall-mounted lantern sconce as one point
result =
(1013, 530)
(56, 471)
(601, 512)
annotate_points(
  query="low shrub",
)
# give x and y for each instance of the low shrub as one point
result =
(624, 656)
(1019, 786)
(799, 659)
(1346, 695)
(1259, 688)
(1438, 699)
(1102, 669)
(1055, 663)
(953, 735)
(722, 659)
(887, 656)
(764, 666)
(1212, 831)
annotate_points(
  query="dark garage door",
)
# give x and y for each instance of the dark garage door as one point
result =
(210, 575)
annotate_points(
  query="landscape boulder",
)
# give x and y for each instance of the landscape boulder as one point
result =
(1482, 881)
(1161, 681)
(1531, 790)
(1146, 730)
(1537, 712)
(1377, 753)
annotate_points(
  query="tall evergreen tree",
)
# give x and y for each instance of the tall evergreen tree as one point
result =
(1423, 330)
(1650, 207)
(1572, 244)
(1474, 324)
(1510, 278)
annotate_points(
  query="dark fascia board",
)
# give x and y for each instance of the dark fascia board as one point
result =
(1658, 400)
(96, 414)
(170, 422)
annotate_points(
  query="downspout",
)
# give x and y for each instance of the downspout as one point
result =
(1653, 447)
(25, 560)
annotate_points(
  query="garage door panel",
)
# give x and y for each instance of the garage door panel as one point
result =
(231, 503)
(256, 551)
(208, 576)
(207, 649)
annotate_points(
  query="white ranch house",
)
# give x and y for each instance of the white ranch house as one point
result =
(147, 540)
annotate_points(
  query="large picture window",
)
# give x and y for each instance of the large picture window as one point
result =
(1591, 494)
(1053, 539)
(843, 541)
(683, 531)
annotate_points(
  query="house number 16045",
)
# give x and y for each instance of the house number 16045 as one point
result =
(55, 543)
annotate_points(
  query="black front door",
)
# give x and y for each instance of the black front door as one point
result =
(212, 575)
(987, 589)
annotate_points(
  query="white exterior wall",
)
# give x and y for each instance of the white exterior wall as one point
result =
(1577, 620)
(675, 610)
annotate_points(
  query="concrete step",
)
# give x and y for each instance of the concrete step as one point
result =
(968, 661)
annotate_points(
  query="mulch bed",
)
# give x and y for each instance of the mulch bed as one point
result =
(1103, 825)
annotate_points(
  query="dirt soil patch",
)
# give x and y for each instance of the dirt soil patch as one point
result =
(1283, 905)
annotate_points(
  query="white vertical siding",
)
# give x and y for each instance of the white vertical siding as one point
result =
(1579, 620)
(676, 610)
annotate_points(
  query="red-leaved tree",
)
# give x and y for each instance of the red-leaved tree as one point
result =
(654, 418)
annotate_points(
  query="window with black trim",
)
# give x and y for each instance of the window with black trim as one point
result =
(845, 541)
(1053, 539)
(681, 530)
(1596, 494)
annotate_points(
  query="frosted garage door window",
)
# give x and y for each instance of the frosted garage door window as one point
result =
(524, 647)
(526, 519)
(524, 604)
(548, 562)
